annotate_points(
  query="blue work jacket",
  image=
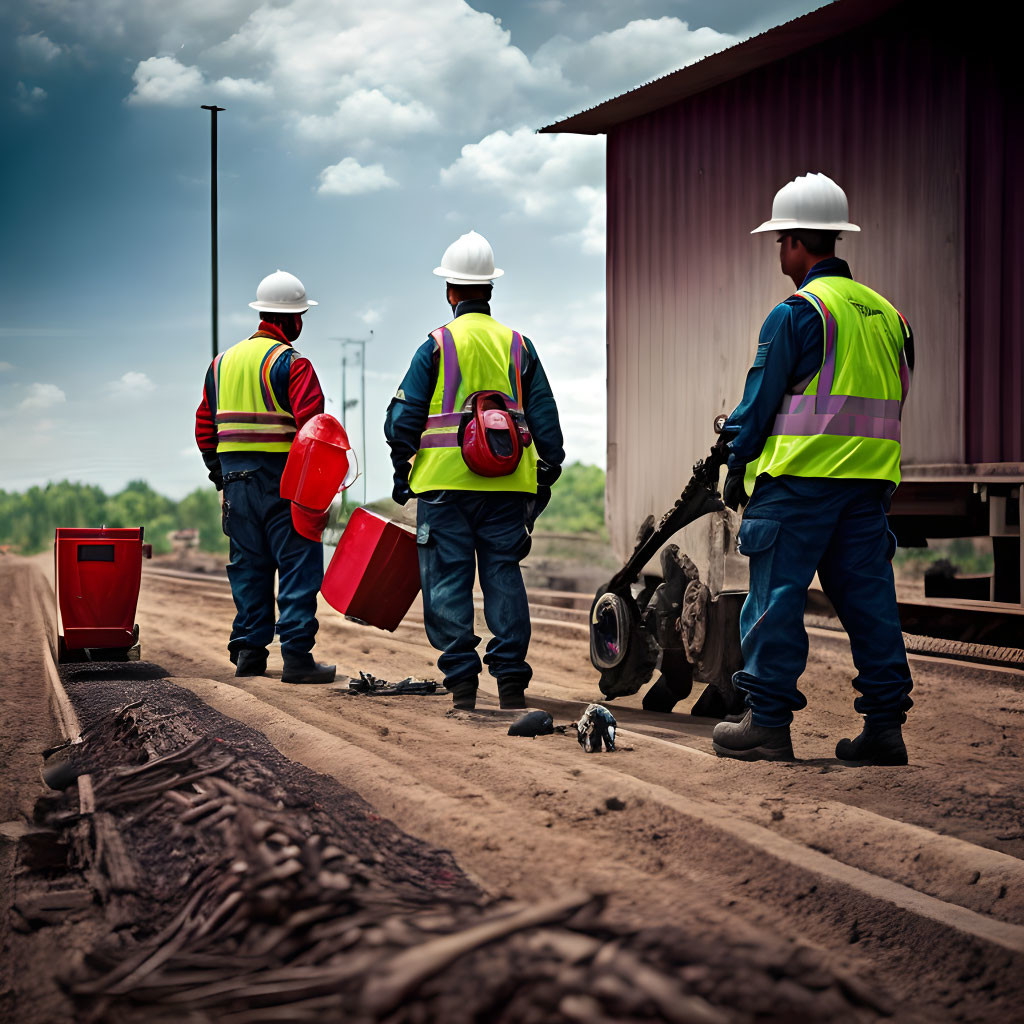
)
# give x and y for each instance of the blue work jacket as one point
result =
(407, 413)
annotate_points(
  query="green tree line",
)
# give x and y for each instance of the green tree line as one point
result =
(577, 502)
(28, 519)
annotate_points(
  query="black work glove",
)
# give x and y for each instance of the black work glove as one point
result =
(547, 474)
(733, 493)
(401, 492)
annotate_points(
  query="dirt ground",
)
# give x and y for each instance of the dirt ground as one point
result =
(910, 878)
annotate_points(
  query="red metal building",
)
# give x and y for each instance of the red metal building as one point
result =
(920, 118)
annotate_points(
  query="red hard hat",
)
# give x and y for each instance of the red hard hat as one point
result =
(308, 522)
(491, 440)
(319, 464)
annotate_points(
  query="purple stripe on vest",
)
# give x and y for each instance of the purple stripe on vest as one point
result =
(257, 436)
(444, 419)
(449, 440)
(281, 419)
(832, 405)
(810, 424)
(828, 367)
(517, 363)
(268, 362)
(452, 373)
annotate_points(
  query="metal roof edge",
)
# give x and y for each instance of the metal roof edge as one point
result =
(772, 45)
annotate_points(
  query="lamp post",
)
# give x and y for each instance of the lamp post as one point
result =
(213, 218)
(362, 343)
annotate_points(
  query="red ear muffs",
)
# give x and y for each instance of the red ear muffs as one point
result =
(491, 439)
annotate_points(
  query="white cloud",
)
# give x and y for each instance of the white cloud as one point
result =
(369, 114)
(444, 64)
(370, 317)
(243, 89)
(629, 56)
(131, 385)
(37, 48)
(557, 178)
(42, 396)
(350, 178)
(162, 80)
(29, 100)
(4, 367)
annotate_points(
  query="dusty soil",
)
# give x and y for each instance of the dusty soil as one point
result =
(296, 894)
(909, 878)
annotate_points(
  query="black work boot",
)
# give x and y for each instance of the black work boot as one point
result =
(249, 662)
(748, 741)
(463, 693)
(511, 695)
(304, 669)
(878, 744)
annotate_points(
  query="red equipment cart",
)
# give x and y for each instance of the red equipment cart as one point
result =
(96, 581)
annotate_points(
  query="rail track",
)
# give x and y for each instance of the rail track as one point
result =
(568, 611)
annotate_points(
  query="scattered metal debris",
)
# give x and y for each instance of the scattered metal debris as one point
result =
(596, 729)
(367, 683)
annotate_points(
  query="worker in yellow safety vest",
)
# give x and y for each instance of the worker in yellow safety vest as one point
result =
(257, 394)
(815, 443)
(475, 436)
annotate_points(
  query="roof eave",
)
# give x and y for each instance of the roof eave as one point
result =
(757, 51)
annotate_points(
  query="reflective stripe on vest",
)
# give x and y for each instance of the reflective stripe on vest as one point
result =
(820, 433)
(249, 417)
(491, 360)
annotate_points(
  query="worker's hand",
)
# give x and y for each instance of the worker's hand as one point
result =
(400, 493)
(220, 496)
(733, 493)
(547, 474)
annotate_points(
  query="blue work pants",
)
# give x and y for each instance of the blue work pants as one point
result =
(465, 530)
(258, 521)
(792, 528)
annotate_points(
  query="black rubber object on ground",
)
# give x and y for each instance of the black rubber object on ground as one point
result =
(533, 723)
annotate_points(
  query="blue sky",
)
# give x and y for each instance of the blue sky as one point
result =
(358, 141)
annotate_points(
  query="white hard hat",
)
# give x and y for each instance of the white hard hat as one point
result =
(812, 201)
(281, 292)
(468, 260)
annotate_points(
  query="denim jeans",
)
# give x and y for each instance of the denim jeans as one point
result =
(837, 528)
(465, 530)
(258, 522)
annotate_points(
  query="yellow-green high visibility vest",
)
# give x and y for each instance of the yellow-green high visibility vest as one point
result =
(476, 354)
(249, 417)
(845, 421)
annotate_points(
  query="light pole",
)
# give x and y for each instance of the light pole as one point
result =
(213, 217)
(362, 343)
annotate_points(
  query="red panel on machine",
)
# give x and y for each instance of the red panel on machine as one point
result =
(374, 574)
(98, 575)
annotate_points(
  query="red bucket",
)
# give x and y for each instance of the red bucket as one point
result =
(374, 575)
(98, 574)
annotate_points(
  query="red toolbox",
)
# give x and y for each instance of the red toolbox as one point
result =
(97, 577)
(374, 575)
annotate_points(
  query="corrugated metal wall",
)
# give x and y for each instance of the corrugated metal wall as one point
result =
(882, 112)
(994, 369)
